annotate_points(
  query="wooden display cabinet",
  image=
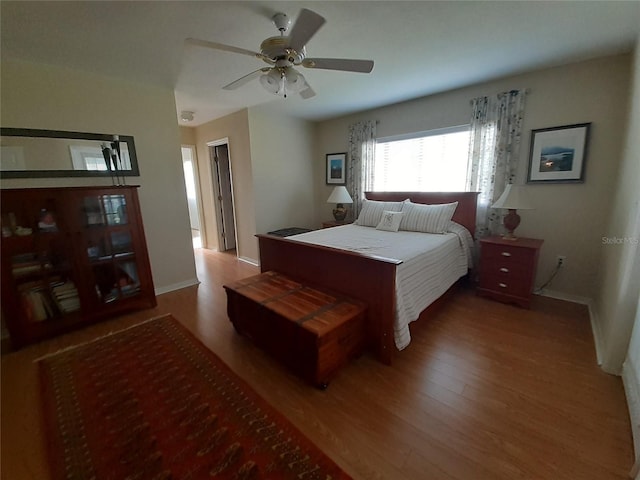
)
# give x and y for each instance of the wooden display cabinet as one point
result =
(71, 257)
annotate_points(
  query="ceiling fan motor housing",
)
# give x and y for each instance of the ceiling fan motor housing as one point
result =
(276, 48)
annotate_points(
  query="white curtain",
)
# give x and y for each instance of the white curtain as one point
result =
(494, 149)
(362, 153)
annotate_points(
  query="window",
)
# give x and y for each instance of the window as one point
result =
(433, 161)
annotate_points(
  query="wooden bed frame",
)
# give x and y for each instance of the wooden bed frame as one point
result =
(367, 278)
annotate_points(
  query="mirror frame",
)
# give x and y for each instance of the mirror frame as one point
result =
(29, 132)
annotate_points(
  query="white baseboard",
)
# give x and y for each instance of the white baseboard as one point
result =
(632, 391)
(565, 296)
(177, 286)
(593, 316)
(251, 261)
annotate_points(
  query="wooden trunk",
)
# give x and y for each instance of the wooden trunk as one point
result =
(314, 332)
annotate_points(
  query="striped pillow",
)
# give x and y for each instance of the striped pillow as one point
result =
(371, 212)
(427, 218)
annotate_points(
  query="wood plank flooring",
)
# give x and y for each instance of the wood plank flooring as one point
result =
(484, 391)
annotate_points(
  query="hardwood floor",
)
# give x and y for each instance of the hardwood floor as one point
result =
(484, 391)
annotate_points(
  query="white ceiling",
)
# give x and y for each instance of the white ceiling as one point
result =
(419, 47)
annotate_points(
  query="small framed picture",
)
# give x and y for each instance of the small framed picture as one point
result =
(558, 154)
(336, 169)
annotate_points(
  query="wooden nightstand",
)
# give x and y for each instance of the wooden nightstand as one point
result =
(334, 223)
(508, 269)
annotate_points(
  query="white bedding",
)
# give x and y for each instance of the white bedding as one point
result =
(431, 263)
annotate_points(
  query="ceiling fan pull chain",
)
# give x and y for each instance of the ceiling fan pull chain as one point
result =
(283, 84)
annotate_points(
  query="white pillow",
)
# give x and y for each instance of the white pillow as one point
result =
(427, 218)
(390, 221)
(371, 212)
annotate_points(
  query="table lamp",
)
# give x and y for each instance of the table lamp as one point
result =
(339, 196)
(513, 198)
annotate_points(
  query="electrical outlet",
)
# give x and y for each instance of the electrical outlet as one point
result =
(561, 260)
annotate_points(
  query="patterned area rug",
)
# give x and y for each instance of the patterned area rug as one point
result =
(153, 403)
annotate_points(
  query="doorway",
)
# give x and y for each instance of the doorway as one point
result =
(223, 194)
(193, 200)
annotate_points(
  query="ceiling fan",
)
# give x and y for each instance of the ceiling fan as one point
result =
(285, 52)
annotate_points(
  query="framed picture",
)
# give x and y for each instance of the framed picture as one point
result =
(558, 154)
(336, 169)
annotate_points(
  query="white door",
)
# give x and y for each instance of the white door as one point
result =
(221, 167)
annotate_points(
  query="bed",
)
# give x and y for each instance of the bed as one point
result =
(367, 274)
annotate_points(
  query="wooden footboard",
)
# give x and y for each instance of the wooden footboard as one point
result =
(370, 279)
(367, 278)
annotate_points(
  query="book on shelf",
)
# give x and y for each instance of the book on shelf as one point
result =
(41, 303)
(37, 305)
(65, 295)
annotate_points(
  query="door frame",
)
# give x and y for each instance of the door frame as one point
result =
(196, 179)
(216, 188)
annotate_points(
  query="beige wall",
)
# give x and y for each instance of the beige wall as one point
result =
(272, 174)
(283, 173)
(187, 135)
(619, 282)
(54, 98)
(235, 128)
(571, 218)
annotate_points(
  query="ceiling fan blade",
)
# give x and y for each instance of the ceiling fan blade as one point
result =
(307, 92)
(246, 79)
(306, 26)
(344, 64)
(223, 47)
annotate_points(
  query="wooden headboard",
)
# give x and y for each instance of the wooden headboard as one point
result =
(465, 213)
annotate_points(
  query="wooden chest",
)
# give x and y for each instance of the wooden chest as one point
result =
(508, 269)
(314, 332)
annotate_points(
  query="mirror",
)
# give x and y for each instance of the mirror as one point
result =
(29, 153)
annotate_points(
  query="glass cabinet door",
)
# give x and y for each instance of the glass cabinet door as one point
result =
(109, 246)
(37, 260)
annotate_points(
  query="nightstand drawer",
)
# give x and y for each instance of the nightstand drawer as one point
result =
(507, 255)
(506, 284)
(505, 268)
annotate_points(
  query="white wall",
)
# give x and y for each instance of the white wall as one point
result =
(54, 98)
(283, 173)
(619, 286)
(235, 128)
(571, 218)
(272, 173)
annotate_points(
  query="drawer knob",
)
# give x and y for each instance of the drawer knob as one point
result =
(506, 254)
(505, 270)
(502, 285)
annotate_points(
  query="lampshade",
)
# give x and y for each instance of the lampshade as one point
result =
(513, 198)
(339, 195)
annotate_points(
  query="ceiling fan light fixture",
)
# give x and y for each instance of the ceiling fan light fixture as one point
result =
(294, 80)
(271, 81)
(282, 81)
